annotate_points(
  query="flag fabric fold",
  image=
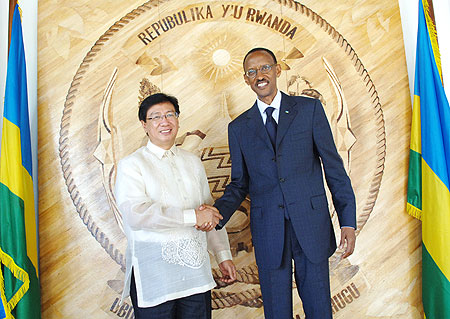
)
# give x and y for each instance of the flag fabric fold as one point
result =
(19, 278)
(428, 196)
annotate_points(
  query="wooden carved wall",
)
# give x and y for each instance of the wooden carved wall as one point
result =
(98, 59)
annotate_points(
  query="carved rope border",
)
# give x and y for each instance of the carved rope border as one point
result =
(77, 200)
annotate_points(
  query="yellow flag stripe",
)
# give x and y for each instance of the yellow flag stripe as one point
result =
(416, 145)
(436, 218)
(30, 220)
(11, 159)
(14, 176)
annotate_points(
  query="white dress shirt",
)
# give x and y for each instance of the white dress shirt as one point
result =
(157, 192)
(276, 104)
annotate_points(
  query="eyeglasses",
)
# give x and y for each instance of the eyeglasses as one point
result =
(158, 117)
(264, 69)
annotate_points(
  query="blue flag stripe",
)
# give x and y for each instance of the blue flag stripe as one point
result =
(435, 108)
(2, 310)
(16, 99)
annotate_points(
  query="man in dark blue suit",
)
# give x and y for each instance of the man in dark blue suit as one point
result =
(278, 148)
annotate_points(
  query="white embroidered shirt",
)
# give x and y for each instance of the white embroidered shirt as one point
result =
(157, 192)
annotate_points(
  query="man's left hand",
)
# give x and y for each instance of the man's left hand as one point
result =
(348, 239)
(228, 270)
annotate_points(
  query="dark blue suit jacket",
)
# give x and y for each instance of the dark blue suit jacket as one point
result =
(288, 180)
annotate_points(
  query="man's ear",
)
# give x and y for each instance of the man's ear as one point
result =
(278, 70)
(144, 126)
(246, 80)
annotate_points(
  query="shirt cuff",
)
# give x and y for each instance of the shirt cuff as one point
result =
(348, 227)
(190, 219)
(223, 255)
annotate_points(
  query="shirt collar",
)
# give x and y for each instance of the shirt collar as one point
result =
(275, 103)
(160, 152)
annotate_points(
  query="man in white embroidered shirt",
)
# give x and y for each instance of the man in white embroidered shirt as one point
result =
(159, 189)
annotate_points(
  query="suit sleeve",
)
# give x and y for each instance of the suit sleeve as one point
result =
(237, 189)
(335, 175)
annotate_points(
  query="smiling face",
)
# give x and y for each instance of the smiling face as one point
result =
(264, 85)
(161, 133)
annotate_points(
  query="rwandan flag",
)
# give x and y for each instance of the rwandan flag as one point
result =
(429, 169)
(19, 285)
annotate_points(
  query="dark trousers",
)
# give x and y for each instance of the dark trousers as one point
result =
(313, 283)
(196, 306)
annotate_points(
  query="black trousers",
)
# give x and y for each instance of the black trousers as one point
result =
(196, 306)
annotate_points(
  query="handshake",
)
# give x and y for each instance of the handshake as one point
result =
(207, 217)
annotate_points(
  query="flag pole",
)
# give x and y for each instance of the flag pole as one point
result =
(12, 5)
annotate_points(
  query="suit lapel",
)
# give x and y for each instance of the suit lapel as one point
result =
(255, 123)
(287, 115)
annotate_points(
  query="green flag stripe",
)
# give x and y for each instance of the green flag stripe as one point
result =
(414, 195)
(25, 302)
(12, 225)
(435, 288)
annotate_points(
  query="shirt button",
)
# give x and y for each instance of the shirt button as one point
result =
(281, 206)
(282, 180)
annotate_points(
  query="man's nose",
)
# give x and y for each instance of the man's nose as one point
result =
(164, 120)
(259, 74)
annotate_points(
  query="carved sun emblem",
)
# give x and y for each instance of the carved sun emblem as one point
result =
(220, 58)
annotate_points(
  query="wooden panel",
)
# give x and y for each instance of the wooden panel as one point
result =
(97, 59)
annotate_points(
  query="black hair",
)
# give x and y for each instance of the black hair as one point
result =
(259, 49)
(154, 99)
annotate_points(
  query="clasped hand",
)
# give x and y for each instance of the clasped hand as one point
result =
(207, 217)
